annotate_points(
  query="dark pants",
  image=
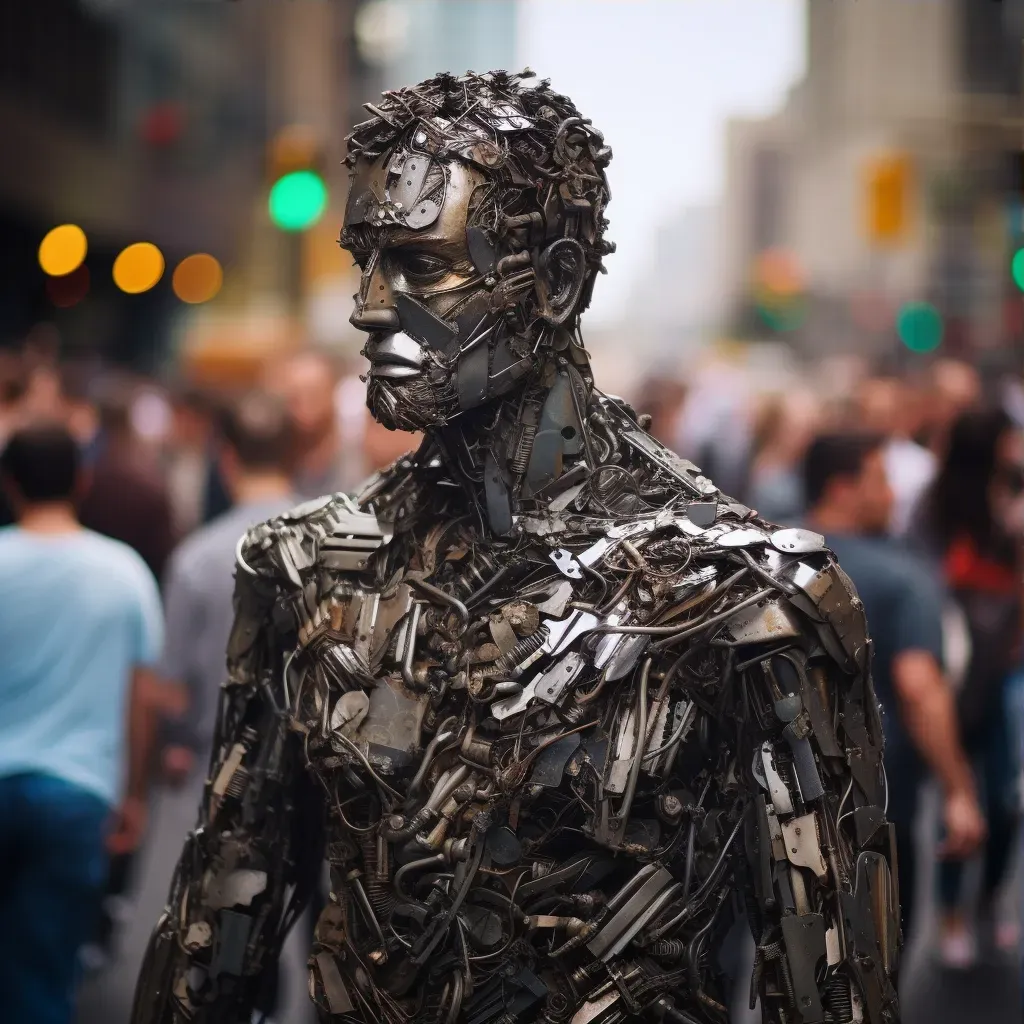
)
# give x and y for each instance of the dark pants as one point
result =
(52, 875)
(993, 752)
(904, 773)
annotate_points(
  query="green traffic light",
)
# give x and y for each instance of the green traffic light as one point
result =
(297, 200)
(919, 326)
(1017, 269)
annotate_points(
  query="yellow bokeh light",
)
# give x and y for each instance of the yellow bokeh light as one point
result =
(197, 278)
(138, 268)
(63, 250)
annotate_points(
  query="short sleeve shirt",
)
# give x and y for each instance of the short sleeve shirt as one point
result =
(78, 612)
(198, 588)
(902, 602)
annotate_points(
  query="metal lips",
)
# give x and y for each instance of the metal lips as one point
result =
(396, 356)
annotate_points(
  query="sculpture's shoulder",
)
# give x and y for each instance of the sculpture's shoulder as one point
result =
(339, 534)
(804, 588)
(325, 577)
(768, 584)
(329, 533)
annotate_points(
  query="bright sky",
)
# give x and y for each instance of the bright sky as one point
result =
(660, 78)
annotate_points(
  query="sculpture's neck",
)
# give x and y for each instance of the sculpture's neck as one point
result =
(510, 455)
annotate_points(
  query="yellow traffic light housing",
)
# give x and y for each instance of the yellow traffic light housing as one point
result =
(888, 199)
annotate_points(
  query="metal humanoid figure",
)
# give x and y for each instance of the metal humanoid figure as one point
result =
(555, 709)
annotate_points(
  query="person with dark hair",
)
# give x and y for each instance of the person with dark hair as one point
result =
(971, 522)
(79, 619)
(850, 502)
(127, 498)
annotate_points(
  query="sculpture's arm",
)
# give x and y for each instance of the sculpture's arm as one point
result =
(820, 856)
(247, 868)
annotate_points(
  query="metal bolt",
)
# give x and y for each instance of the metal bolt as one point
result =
(671, 805)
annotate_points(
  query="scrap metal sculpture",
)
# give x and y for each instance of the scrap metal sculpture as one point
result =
(555, 709)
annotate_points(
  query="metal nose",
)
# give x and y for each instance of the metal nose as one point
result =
(374, 319)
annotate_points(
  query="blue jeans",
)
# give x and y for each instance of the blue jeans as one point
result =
(992, 749)
(52, 874)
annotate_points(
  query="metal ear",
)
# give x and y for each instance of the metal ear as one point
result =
(564, 267)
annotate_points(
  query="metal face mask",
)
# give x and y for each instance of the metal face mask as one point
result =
(420, 296)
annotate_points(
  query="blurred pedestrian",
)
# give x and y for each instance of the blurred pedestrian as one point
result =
(889, 407)
(663, 398)
(79, 618)
(255, 448)
(307, 381)
(782, 430)
(127, 498)
(12, 391)
(188, 458)
(78, 382)
(850, 501)
(972, 522)
(954, 387)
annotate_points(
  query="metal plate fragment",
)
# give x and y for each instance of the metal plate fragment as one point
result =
(567, 564)
(762, 623)
(797, 541)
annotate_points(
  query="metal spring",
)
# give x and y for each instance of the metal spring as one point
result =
(237, 786)
(523, 446)
(381, 898)
(839, 999)
(522, 650)
(667, 949)
(378, 891)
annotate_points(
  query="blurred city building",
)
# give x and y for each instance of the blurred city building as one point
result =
(686, 252)
(172, 124)
(137, 122)
(888, 188)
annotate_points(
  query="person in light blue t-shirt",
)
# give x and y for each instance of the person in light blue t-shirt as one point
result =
(79, 620)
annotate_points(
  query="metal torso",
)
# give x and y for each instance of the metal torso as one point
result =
(547, 760)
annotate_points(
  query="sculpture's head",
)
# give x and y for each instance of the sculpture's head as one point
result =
(476, 214)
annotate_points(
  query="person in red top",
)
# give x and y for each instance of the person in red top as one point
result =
(973, 522)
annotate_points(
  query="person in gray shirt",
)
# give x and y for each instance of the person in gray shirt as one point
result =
(199, 581)
(254, 458)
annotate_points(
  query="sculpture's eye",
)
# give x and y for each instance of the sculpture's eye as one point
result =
(419, 267)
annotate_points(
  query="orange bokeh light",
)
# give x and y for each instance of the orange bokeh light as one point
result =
(197, 278)
(138, 268)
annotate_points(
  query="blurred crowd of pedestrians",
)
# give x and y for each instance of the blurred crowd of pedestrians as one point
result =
(124, 500)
